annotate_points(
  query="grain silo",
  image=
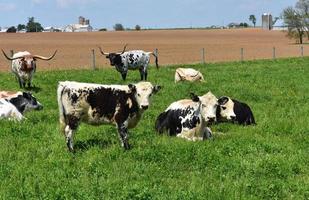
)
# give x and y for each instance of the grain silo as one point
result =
(267, 21)
(81, 20)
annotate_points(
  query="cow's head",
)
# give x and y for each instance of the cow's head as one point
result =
(208, 106)
(114, 58)
(25, 101)
(142, 92)
(225, 109)
(27, 61)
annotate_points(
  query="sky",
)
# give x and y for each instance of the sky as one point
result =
(146, 13)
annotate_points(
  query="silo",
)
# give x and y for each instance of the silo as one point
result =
(81, 20)
(267, 21)
(87, 22)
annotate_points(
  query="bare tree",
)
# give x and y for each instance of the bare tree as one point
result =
(302, 6)
(293, 19)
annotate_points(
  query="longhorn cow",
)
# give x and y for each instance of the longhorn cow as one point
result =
(24, 66)
(130, 60)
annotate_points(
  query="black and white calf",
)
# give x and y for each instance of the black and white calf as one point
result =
(14, 104)
(130, 60)
(189, 118)
(235, 111)
(121, 105)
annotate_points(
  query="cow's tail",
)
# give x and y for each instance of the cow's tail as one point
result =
(162, 122)
(155, 54)
(60, 91)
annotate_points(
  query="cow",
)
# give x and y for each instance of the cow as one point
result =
(96, 104)
(189, 118)
(234, 111)
(188, 74)
(24, 66)
(131, 60)
(14, 104)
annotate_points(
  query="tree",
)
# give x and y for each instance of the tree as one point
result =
(21, 27)
(118, 27)
(138, 27)
(302, 6)
(33, 26)
(293, 19)
(252, 19)
(12, 29)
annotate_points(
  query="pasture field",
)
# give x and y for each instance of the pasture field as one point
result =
(266, 161)
(174, 46)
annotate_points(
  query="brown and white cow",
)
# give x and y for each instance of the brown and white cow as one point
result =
(189, 118)
(188, 74)
(24, 66)
(121, 105)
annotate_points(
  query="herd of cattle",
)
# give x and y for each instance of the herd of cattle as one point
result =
(123, 105)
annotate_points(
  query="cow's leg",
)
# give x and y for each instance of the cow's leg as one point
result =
(70, 130)
(123, 134)
(124, 75)
(141, 73)
(19, 81)
(207, 133)
(145, 72)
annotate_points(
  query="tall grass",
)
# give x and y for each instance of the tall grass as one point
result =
(266, 161)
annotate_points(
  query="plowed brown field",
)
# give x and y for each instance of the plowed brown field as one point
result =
(175, 46)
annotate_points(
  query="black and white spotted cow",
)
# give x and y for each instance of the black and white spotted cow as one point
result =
(96, 104)
(130, 60)
(234, 111)
(14, 104)
(189, 118)
(24, 66)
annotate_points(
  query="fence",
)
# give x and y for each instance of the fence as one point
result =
(92, 59)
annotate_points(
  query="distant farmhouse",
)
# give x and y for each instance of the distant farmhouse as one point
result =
(82, 26)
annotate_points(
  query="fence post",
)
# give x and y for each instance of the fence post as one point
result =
(93, 59)
(302, 51)
(241, 54)
(203, 55)
(274, 52)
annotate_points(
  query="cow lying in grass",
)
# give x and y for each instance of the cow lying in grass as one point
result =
(121, 105)
(188, 74)
(14, 104)
(234, 111)
(189, 118)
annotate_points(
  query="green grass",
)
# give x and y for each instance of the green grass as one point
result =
(266, 161)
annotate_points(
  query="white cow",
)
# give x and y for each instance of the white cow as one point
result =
(188, 74)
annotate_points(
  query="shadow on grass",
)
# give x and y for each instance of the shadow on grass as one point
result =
(86, 145)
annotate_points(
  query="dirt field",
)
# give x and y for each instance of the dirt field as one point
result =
(175, 46)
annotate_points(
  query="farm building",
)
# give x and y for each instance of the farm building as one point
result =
(267, 21)
(82, 26)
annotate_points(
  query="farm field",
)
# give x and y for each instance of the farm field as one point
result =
(266, 161)
(174, 46)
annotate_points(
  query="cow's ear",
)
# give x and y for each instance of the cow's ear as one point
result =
(194, 97)
(156, 89)
(132, 87)
(223, 100)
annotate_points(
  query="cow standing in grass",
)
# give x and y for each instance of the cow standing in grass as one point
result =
(121, 105)
(130, 60)
(24, 66)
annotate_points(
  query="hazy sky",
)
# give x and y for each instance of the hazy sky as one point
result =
(146, 13)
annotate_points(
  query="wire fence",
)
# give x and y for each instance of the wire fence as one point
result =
(93, 59)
